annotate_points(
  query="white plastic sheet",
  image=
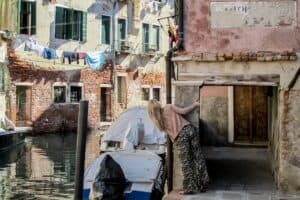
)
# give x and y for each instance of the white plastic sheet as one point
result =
(125, 128)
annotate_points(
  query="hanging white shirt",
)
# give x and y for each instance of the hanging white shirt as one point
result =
(3, 51)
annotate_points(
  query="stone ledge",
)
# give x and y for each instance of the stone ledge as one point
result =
(260, 56)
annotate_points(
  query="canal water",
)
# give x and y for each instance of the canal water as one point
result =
(43, 167)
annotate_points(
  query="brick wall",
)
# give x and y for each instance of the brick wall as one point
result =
(46, 116)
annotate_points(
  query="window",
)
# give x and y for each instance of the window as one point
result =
(105, 30)
(121, 33)
(156, 94)
(122, 89)
(145, 37)
(59, 94)
(1, 78)
(145, 94)
(70, 24)
(75, 94)
(27, 17)
(155, 37)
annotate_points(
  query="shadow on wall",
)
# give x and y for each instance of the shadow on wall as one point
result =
(57, 118)
(210, 136)
(100, 7)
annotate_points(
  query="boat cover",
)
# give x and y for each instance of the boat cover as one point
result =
(126, 125)
(141, 168)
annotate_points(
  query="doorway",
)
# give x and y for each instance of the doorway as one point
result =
(250, 114)
(24, 95)
(105, 104)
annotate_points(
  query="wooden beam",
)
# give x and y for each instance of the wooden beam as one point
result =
(275, 78)
(294, 80)
(223, 83)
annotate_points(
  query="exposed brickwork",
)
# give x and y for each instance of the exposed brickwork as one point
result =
(45, 115)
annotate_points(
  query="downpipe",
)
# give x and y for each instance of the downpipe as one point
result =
(169, 76)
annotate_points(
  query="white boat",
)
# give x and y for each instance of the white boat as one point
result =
(143, 170)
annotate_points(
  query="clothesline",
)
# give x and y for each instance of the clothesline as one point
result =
(94, 60)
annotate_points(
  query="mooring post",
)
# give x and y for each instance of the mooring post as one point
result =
(80, 148)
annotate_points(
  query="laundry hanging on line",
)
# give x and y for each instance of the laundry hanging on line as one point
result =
(95, 60)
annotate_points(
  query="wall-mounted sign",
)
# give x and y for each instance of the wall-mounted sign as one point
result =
(253, 14)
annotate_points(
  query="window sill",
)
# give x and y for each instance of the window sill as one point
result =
(64, 103)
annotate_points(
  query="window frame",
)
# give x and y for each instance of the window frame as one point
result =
(120, 40)
(67, 24)
(151, 43)
(2, 80)
(53, 92)
(110, 30)
(160, 92)
(117, 91)
(78, 85)
(143, 87)
(28, 29)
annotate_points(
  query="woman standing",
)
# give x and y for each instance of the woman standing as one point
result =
(185, 137)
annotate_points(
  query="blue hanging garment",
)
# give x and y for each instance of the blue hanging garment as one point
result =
(49, 54)
(95, 60)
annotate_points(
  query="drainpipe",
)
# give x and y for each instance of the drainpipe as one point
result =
(169, 73)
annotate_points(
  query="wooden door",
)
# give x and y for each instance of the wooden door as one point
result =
(23, 106)
(250, 113)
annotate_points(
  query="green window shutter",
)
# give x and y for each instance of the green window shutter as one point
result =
(59, 23)
(155, 37)
(33, 18)
(1, 78)
(121, 32)
(105, 30)
(69, 24)
(19, 16)
(145, 37)
(83, 35)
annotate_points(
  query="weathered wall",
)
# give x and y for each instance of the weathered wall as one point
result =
(253, 35)
(285, 134)
(289, 165)
(45, 115)
(214, 115)
(181, 93)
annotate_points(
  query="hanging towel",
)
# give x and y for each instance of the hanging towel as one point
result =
(95, 60)
(32, 45)
(82, 55)
(71, 56)
(49, 54)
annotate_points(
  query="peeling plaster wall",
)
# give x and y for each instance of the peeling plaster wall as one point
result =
(285, 133)
(214, 115)
(200, 36)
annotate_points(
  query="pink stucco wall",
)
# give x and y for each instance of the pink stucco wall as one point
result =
(200, 37)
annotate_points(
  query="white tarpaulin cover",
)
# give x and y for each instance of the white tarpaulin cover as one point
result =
(139, 167)
(126, 126)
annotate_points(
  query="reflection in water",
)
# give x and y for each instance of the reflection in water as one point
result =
(43, 167)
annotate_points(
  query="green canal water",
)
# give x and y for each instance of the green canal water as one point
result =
(43, 167)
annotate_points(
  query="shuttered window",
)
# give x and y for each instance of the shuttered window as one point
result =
(122, 89)
(121, 32)
(27, 23)
(155, 37)
(105, 30)
(1, 78)
(145, 94)
(70, 24)
(156, 94)
(145, 38)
